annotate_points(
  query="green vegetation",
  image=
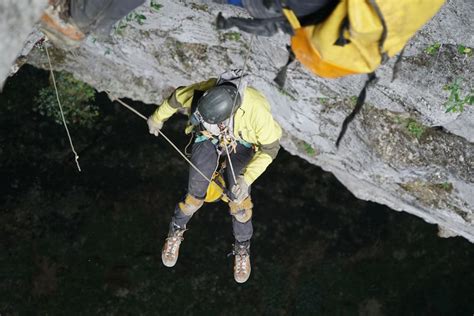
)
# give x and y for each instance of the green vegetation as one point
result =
(309, 149)
(464, 50)
(120, 27)
(324, 101)
(410, 125)
(353, 99)
(433, 48)
(76, 99)
(446, 186)
(456, 102)
(415, 128)
(139, 18)
(155, 5)
(232, 36)
(397, 119)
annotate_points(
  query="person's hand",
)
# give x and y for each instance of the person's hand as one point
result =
(154, 126)
(240, 190)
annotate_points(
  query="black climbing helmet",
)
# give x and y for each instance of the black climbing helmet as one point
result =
(215, 106)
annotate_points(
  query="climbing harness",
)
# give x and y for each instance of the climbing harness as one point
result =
(76, 156)
(233, 107)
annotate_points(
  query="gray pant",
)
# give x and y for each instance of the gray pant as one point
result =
(99, 16)
(205, 157)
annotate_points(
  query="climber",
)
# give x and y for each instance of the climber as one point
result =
(268, 17)
(70, 21)
(223, 112)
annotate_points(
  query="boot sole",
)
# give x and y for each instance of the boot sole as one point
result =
(240, 281)
(168, 263)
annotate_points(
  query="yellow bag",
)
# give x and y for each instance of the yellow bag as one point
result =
(359, 34)
(215, 191)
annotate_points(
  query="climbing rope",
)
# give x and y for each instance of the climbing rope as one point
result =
(233, 106)
(163, 135)
(76, 156)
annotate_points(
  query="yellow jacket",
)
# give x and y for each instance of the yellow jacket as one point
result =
(253, 123)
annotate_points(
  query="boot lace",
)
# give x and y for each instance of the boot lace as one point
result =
(174, 241)
(241, 253)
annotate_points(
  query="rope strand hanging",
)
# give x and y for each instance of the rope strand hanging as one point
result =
(76, 156)
(233, 105)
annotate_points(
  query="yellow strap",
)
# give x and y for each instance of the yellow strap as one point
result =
(291, 17)
(207, 134)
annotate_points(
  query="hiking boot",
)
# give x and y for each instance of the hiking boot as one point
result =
(242, 266)
(170, 252)
(58, 26)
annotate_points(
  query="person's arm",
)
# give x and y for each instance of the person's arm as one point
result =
(181, 98)
(268, 134)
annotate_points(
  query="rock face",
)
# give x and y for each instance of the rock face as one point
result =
(16, 22)
(403, 150)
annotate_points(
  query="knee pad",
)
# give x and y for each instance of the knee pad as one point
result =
(190, 205)
(242, 212)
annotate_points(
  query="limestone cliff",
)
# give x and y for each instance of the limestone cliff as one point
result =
(403, 150)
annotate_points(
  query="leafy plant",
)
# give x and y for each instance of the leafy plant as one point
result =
(415, 128)
(139, 18)
(464, 50)
(324, 101)
(122, 25)
(232, 36)
(455, 101)
(155, 5)
(353, 99)
(446, 186)
(433, 48)
(76, 99)
(309, 149)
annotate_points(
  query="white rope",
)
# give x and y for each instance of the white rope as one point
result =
(76, 156)
(233, 106)
(228, 154)
(163, 135)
